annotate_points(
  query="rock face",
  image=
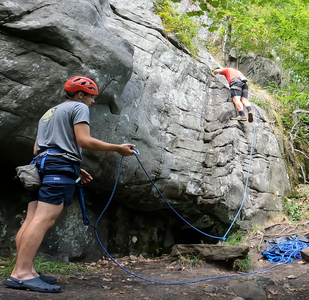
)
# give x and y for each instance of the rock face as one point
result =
(167, 103)
(260, 70)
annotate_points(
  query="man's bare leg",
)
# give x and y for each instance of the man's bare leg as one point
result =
(247, 104)
(31, 238)
(237, 103)
(30, 214)
(240, 109)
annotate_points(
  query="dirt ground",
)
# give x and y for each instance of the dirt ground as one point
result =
(108, 281)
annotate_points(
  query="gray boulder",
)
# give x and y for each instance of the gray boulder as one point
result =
(261, 70)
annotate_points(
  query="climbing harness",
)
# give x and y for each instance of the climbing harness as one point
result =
(237, 83)
(30, 176)
(49, 178)
(238, 79)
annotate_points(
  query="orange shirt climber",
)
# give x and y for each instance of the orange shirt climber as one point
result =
(239, 92)
(231, 73)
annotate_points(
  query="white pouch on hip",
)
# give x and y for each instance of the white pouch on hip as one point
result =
(29, 177)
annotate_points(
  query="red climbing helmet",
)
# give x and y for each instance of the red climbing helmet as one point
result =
(79, 83)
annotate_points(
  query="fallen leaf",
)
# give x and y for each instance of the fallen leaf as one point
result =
(107, 279)
(106, 287)
(122, 292)
(273, 292)
(185, 293)
(292, 276)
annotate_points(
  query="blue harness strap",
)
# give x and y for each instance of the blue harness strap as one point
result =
(81, 200)
(49, 150)
(59, 179)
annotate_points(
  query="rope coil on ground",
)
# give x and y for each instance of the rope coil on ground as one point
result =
(285, 251)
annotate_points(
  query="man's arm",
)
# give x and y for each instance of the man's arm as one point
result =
(218, 71)
(85, 141)
(34, 149)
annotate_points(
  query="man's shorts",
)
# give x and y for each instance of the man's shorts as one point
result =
(242, 89)
(56, 193)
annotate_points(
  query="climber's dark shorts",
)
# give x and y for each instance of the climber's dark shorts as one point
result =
(56, 193)
(239, 89)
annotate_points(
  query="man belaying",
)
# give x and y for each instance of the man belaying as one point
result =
(239, 92)
(63, 131)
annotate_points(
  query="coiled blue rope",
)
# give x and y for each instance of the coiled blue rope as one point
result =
(285, 251)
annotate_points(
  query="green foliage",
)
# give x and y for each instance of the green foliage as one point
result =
(182, 25)
(191, 260)
(292, 100)
(235, 239)
(257, 228)
(274, 29)
(159, 251)
(42, 265)
(243, 265)
(303, 193)
(298, 208)
(293, 209)
(262, 104)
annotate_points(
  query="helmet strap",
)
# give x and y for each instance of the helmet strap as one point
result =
(69, 96)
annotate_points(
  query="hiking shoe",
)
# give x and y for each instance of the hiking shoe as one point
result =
(239, 118)
(250, 116)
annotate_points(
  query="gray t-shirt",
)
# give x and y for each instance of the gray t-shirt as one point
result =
(56, 127)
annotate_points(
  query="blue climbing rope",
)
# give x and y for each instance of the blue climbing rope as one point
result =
(243, 200)
(247, 180)
(136, 153)
(183, 282)
(154, 281)
(292, 253)
(285, 251)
